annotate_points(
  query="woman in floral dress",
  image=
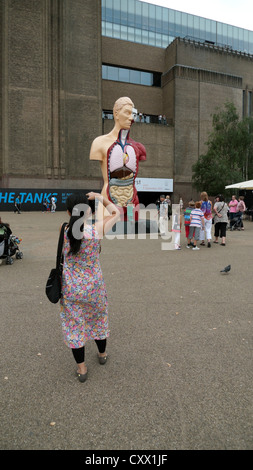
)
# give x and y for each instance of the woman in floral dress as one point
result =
(84, 312)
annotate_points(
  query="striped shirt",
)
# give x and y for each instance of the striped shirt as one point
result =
(196, 216)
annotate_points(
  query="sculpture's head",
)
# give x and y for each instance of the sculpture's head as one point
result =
(124, 112)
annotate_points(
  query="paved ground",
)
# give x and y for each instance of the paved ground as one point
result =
(179, 375)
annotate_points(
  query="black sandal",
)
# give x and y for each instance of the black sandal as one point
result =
(102, 359)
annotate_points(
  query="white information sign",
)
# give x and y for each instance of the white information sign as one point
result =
(154, 185)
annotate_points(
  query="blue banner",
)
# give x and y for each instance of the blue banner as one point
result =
(35, 199)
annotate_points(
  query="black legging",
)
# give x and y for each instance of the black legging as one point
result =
(79, 353)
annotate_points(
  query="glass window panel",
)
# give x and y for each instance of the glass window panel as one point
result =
(240, 32)
(152, 16)
(165, 40)
(151, 40)
(184, 31)
(196, 22)
(172, 26)
(108, 10)
(230, 36)
(158, 40)
(208, 29)
(235, 34)
(178, 23)
(108, 29)
(240, 42)
(146, 78)
(123, 34)
(124, 75)
(131, 12)
(190, 30)
(213, 31)
(208, 25)
(116, 31)
(130, 34)
(112, 73)
(138, 15)
(219, 33)
(144, 37)
(225, 34)
(202, 29)
(158, 10)
(138, 35)
(103, 28)
(246, 40)
(123, 9)
(116, 11)
(184, 19)
(103, 9)
(145, 15)
(104, 72)
(135, 76)
(165, 20)
(250, 42)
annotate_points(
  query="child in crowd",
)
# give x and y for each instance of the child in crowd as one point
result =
(187, 213)
(196, 220)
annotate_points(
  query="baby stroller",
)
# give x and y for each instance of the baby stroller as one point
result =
(236, 222)
(9, 244)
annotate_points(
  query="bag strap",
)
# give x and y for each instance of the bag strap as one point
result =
(221, 208)
(60, 244)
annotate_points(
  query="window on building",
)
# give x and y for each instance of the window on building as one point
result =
(157, 26)
(137, 77)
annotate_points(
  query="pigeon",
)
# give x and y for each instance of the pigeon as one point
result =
(226, 269)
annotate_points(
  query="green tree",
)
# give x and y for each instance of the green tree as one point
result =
(229, 158)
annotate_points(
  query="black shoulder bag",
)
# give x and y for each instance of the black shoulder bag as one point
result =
(53, 285)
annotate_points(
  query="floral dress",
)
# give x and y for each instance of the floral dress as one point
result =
(84, 313)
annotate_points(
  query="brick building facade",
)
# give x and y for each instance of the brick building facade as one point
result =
(52, 96)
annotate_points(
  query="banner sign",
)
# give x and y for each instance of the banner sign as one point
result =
(154, 185)
(34, 199)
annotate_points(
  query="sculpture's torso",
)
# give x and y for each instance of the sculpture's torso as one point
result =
(122, 165)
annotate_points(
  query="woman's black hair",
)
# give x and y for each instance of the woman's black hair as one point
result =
(72, 201)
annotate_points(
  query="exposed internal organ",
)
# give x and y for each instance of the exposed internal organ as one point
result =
(122, 194)
(121, 170)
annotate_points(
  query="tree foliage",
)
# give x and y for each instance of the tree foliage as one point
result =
(229, 158)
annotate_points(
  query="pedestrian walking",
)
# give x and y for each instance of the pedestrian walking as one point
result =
(53, 204)
(232, 209)
(220, 219)
(240, 209)
(17, 205)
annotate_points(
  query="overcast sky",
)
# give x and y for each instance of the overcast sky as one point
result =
(233, 12)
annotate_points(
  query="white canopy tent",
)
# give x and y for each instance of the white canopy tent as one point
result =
(243, 185)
